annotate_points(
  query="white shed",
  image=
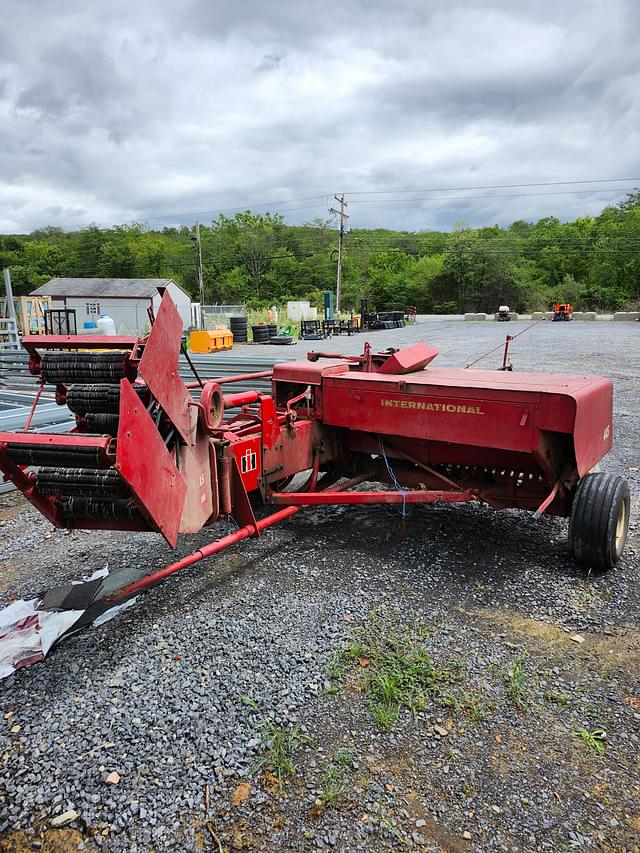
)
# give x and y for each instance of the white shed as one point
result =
(125, 300)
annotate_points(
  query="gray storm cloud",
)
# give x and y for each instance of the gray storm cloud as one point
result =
(155, 111)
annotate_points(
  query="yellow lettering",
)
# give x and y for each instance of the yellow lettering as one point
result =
(421, 405)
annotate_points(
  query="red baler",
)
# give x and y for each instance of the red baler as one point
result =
(147, 455)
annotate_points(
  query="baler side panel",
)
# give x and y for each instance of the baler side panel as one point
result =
(427, 414)
(593, 430)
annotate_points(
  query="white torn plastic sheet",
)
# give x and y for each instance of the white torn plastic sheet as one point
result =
(113, 611)
(27, 634)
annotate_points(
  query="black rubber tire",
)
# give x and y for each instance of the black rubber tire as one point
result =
(599, 521)
(283, 340)
(239, 338)
(260, 334)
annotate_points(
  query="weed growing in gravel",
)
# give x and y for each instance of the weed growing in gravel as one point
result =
(468, 789)
(384, 716)
(471, 702)
(333, 787)
(594, 740)
(386, 823)
(394, 669)
(343, 758)
(280, 744)
(335, 668)
(333, 784)
(516, 681)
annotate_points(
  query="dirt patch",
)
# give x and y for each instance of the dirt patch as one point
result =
(52, 841)
(10, 512)
(604, 652)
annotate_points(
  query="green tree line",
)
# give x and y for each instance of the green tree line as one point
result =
(593, 261)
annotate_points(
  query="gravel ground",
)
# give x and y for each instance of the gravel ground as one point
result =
(151, 729)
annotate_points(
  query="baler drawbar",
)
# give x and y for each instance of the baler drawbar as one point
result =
(148, 455)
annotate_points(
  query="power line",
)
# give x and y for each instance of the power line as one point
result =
(495, 186)
(494, 197)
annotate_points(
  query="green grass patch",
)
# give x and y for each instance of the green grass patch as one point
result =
(334, 778)
(516, 681)
(392, 667)
(279, 744)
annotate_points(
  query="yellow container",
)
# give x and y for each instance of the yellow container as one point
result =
(210, 341)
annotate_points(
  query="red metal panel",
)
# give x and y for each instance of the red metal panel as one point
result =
(201, 481)
(293, 450)
(159, 368)
(409, 359)
(505, 381)
(593, 431)
(270, 425)
(500, 410)
(307, 372)
(247, 452)
(333, 497)
(456, 420)
(145, 463)
(73, 439)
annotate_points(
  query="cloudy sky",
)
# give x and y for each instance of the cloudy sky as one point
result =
(169, 111)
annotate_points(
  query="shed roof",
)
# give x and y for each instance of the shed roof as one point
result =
(123, 288)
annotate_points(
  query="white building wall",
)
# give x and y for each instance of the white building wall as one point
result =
(182, 302)
(129, 315)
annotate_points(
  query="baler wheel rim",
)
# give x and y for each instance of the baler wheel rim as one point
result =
(622, 525)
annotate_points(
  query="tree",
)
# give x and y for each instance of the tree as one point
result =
(116, 260)
(421, 278)
(235, 287)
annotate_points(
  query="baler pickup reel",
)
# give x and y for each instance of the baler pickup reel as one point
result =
(127, 463)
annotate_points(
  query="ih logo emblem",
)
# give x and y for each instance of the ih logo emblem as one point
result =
(249, 462)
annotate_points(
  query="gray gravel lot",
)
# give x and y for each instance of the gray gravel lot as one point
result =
(158, 696)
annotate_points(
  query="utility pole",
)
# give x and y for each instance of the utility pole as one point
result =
(200, 275)
(343, 216)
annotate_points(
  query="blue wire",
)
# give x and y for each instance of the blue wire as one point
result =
(393, 478)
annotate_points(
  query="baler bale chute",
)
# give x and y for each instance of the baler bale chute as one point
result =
(147, 455)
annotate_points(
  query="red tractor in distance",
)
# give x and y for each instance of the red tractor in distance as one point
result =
(562, 311)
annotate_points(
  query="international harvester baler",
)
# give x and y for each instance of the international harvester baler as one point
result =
(147, 455)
